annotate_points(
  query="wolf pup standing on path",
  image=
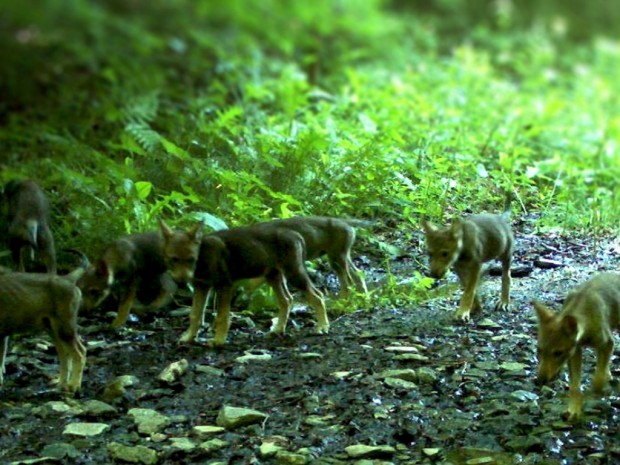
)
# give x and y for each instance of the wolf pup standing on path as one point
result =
(133, 268)
(36, 302)
(333, 237)
(466, 245)
(29, 218)
(221, 259)
(590, 313)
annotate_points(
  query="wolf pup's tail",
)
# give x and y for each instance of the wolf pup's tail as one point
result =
(359, 223)
(76, 274)
(32, 232)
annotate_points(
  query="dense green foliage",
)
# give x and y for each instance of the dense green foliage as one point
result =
(245, 110)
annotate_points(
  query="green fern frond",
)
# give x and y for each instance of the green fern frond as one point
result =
(138, 113)
(142, 108)
(148, 139)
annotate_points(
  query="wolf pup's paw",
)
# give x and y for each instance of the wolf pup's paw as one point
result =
(575, 410)
(187, 338)
(68, 391)
(573, 417)
(322, 329)
(501, 306)
(462, 315)
(215, 344)
(276, 326)
(116, 324)
(601, 383)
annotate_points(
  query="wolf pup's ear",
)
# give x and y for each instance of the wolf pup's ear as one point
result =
(428, 227)
(457, 229)
(570, 325)
(165, 229)
(195, 233)
(102, 270)
(543, 313)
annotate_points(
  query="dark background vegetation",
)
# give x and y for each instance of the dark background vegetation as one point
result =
(129, 110)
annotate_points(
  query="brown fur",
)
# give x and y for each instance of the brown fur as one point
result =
(587, 319)
(333, 237)
(29, 219)
(222, 259)
(465, 246)
(34, 302)
(133, 267)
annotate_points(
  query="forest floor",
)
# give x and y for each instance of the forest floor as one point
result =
(410, 383)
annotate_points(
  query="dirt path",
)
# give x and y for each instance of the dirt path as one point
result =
(462, 394)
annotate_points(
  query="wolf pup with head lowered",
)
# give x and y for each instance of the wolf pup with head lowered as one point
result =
(590, 313)
(36, 302)
(221, 259)
(29, 217)
(465, 246)
(333, 237)
(133, 267)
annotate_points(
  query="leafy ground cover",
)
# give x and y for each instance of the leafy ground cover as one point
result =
(250, 110)
(406, 382)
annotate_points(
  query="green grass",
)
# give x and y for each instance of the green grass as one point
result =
(246, 110)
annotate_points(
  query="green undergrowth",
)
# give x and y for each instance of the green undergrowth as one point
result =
(242, 111)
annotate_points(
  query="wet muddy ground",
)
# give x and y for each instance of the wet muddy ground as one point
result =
(462, 393)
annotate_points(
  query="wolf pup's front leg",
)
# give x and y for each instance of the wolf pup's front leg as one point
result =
(469, 276)
(221, 324)
(199, 302)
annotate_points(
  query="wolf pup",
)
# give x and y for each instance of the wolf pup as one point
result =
(29, 219)
(465, 246)
(220, 260)
(133, 267)
(333, 237)
(36, 302)
(590, 313)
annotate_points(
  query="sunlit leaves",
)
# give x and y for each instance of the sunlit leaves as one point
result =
(174, 150)
(143, 189)
(251, 110)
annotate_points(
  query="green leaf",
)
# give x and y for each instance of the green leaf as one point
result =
(212, 221)
(143, 189)
(175, 150)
